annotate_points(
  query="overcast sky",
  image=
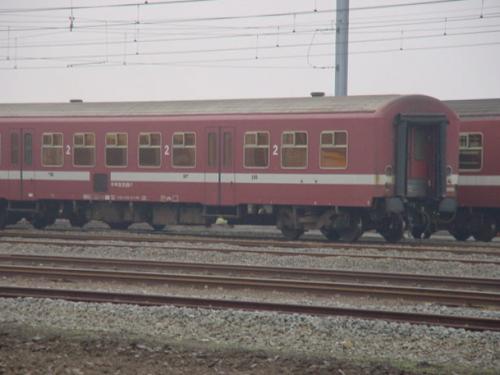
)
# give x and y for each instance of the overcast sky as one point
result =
(244, 48)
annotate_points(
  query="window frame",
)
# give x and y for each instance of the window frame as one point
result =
(74, 147)
(115, 146)
(195, 146)
(332, 145)
(139, 146)
(460, 134)
(14, 157)
(294, 145)
(44, 146)
(257, 146)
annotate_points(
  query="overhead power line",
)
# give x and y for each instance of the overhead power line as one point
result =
(247, 48)
(216, 63)
(81, 7)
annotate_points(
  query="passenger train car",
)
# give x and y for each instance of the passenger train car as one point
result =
(343, 165)
(479, 166)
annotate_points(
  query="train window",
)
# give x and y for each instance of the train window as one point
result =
(256, 150)
(227, 157)
(116, 149)
(84, 149)
(212, 150)
(419, 143)
(28, 149)
(52, 150)
(294, 150)
(14, 148)
(471, 151)
(333, 150)
(149, 149)
(184, 150)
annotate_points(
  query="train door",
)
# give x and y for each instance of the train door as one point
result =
(21, 171)
(228, 183)
(219, 167)
(421, 161)
(212, 167)
(420, 156)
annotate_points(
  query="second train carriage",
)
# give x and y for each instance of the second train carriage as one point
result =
(479, 168)
(340, 164)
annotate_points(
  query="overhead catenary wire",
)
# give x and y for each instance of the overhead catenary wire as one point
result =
(259, 47)
(204, 36)
(206, 63)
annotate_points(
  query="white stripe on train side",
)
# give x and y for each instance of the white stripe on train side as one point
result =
(252, 178)
(241, 178)
(45, 175)
(479, 180)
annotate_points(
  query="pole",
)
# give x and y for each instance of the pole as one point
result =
(341, 47)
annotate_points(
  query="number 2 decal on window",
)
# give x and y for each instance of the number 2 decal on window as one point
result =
(167, 150)
(275, 150)
(68, 150)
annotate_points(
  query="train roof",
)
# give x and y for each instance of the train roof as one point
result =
(326, 104)
(474, 108)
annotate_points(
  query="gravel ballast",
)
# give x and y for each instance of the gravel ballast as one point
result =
(328, 337)
(313, 344)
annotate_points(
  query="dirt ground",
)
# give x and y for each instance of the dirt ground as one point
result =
(23, 351)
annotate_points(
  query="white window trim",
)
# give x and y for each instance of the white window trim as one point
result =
(139, 146)
(257, 146)
(183, 146)
(115, 146)
(475, 148)
(290, 146)
(80, 146)
(346, 148)
(44, 146)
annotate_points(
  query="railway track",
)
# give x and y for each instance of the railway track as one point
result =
(247, 240)
(126, 241)
(262, 271)
(467, 323)
(443, 296)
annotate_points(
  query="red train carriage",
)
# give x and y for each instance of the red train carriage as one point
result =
(343, 165)
(479, 181)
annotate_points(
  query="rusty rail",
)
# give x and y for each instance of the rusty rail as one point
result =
(445, 296)
(265, 271)
(460, 322)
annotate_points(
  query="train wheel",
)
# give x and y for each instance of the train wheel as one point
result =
(3, 217)
(460, 228)
(392, 228)
(417, 232)
(353, 230)
(330, 234)
(292, 233)
(123, 225)
(460, 234)
(78, 221)
(286, 224)
(158, 227)
(41, 221)
(487, 230)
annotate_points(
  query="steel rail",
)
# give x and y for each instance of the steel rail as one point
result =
(446, 296)
(229, 250)
(309, 273)
(457, 248)
(459, 322)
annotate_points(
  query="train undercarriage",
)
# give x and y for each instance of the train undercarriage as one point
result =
(388, 217)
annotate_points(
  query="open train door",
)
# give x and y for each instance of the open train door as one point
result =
(21, 172)
(422, 148)
(421, 156)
